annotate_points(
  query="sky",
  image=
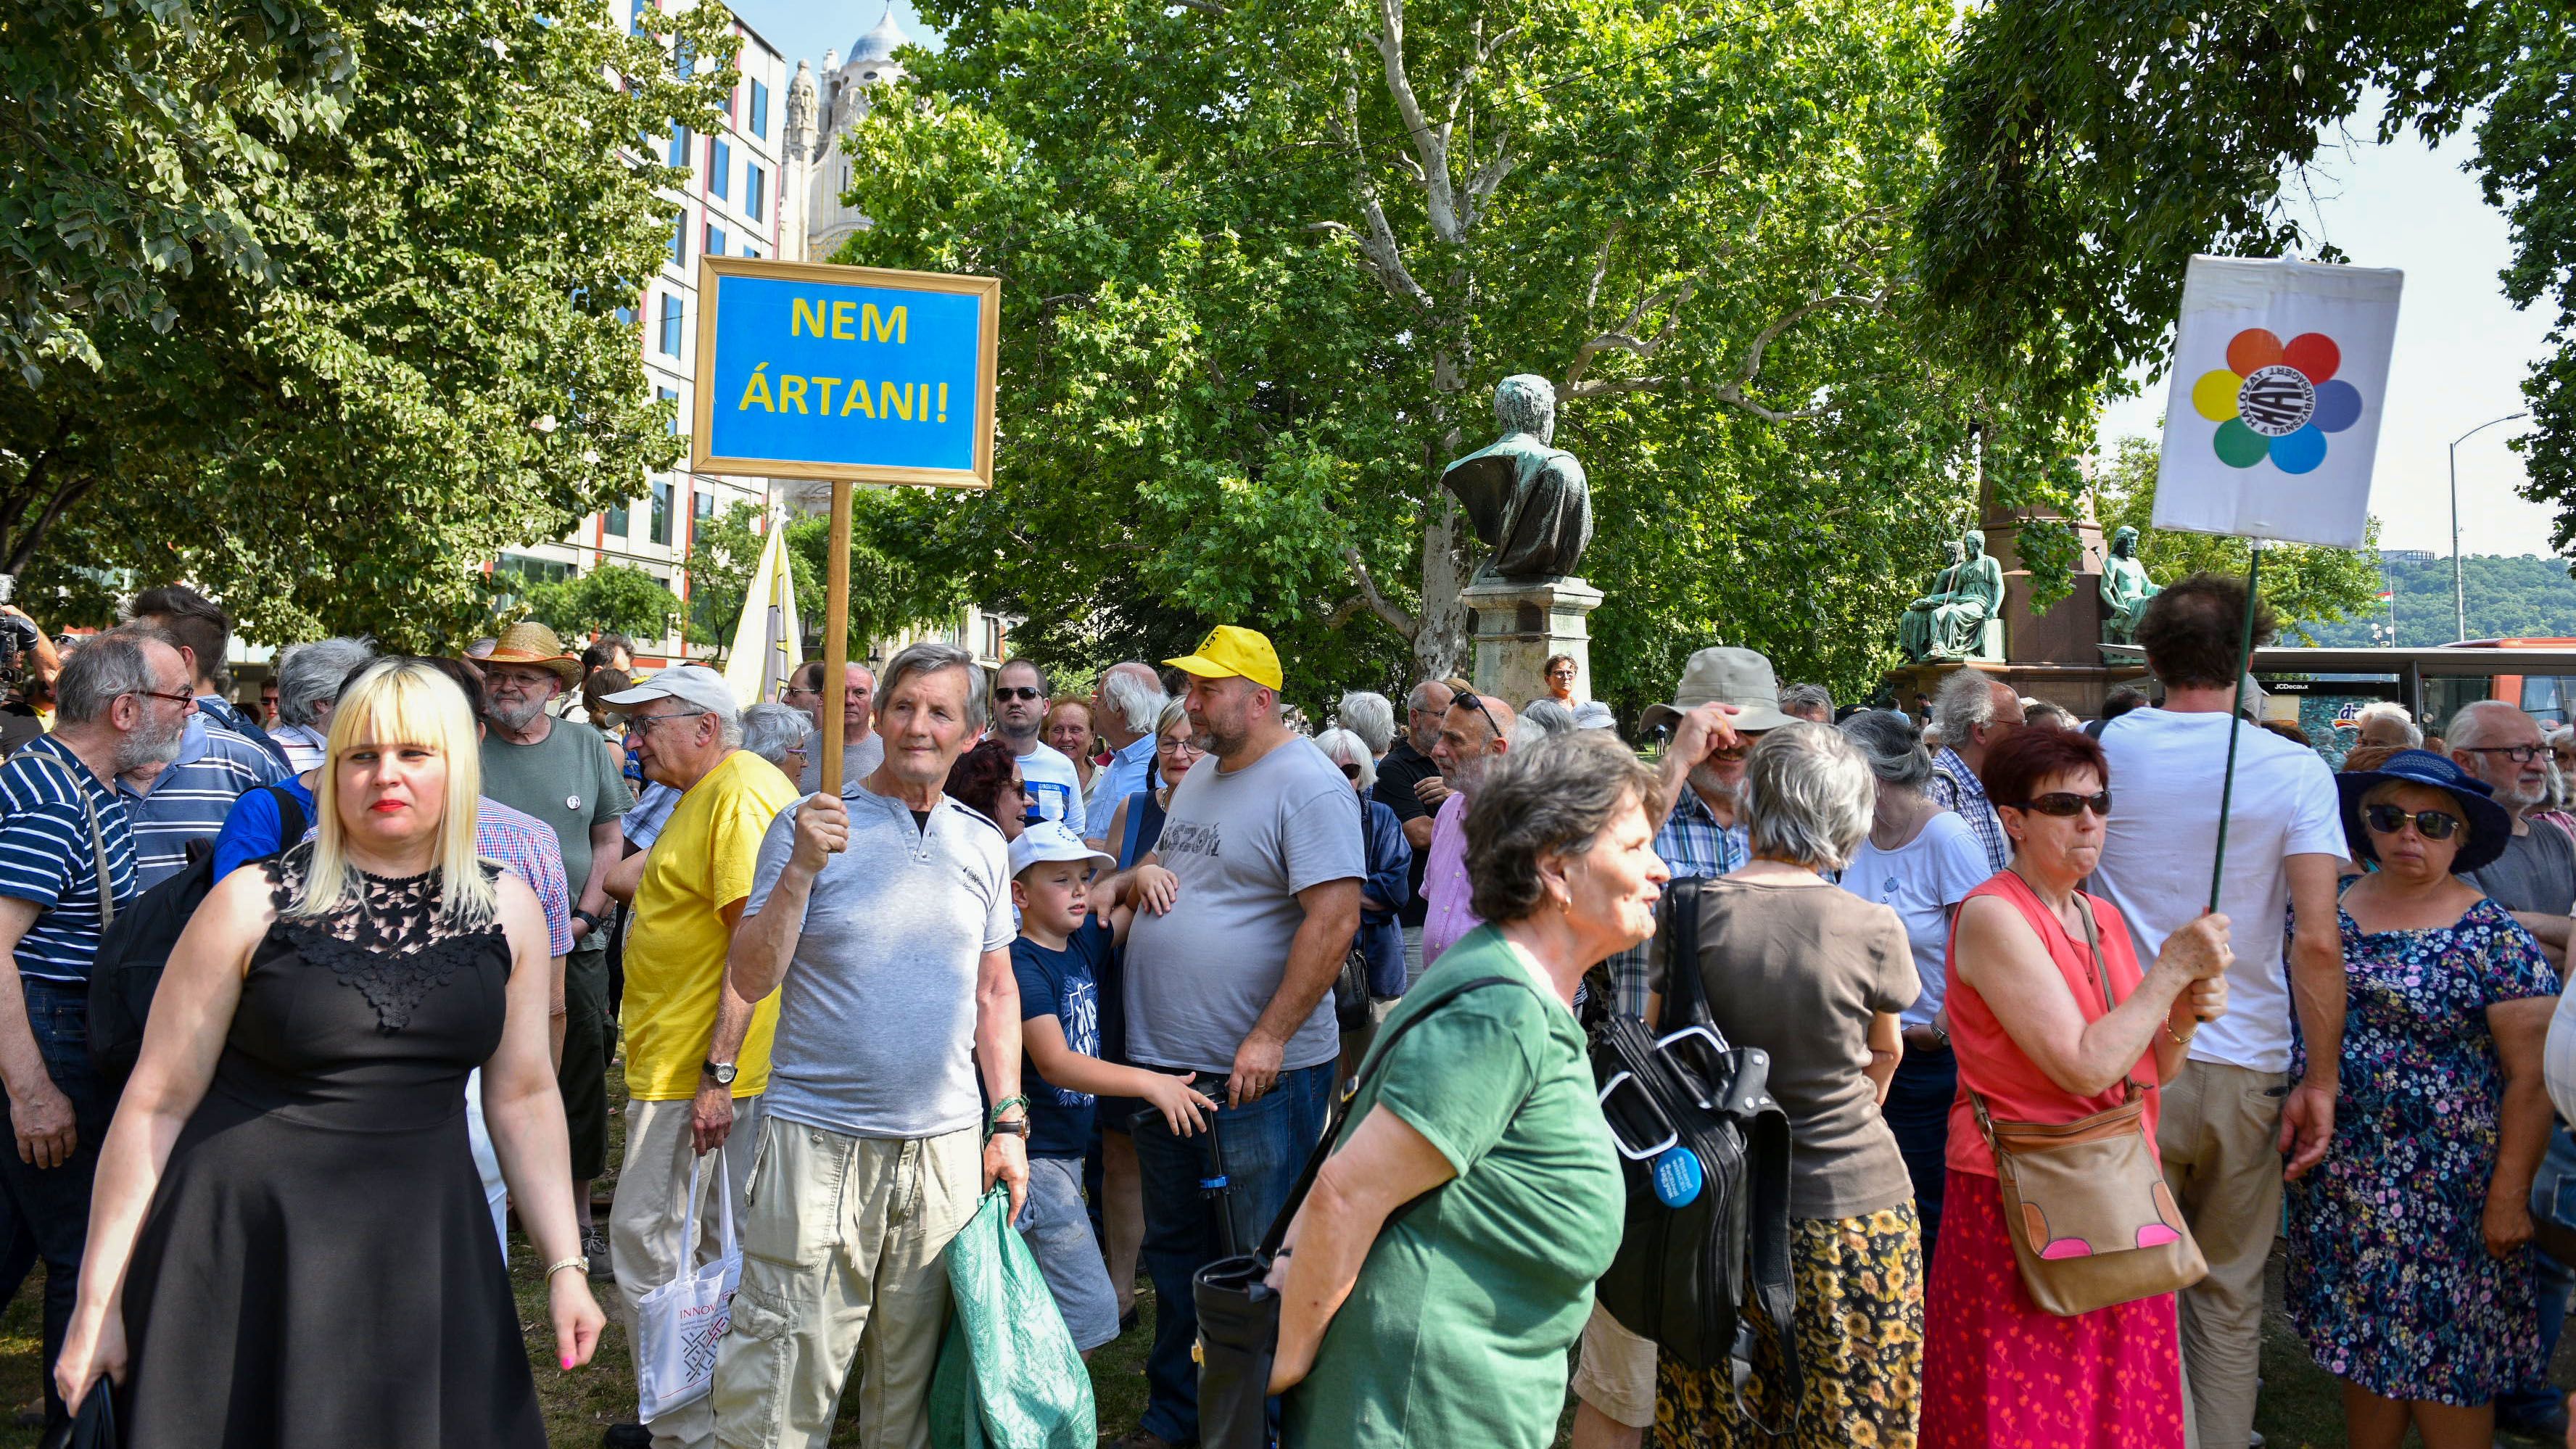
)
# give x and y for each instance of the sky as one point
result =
(2462, 349)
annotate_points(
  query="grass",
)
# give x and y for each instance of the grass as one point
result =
(2301, 1406)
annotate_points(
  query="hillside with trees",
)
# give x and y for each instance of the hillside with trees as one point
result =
(2522, 597)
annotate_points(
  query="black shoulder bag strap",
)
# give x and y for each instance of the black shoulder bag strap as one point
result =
(1341, 1113)
(292, 822)
(1685, 994)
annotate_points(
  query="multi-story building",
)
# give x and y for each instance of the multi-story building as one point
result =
(767, 182)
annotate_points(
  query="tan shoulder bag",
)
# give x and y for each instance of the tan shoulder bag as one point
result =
(2084, 1202)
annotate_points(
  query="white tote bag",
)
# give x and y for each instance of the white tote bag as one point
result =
(678, 1325)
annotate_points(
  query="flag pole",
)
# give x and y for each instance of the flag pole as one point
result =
(2244, 660)
(836, 637)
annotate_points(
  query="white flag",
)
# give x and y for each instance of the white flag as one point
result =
(2280, 378)
(766, 641)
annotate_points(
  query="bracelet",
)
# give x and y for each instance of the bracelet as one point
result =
(1006, 1104)
(2178, 1038)
(553, 1268)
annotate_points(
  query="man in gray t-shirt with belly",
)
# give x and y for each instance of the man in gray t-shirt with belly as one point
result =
(883, 919)
(1247, 908)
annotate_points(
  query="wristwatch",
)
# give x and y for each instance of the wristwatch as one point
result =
(1016, 1127)
(723, 1072)
(586, 918)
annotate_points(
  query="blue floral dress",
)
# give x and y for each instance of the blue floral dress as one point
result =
(2389, 1280)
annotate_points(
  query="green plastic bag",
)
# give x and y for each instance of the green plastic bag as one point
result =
(1008, 1375)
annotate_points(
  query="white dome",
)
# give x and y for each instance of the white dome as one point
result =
(877, 46)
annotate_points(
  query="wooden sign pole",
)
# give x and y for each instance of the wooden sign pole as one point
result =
(836, 638)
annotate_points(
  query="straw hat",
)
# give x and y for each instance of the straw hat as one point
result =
(529, 642)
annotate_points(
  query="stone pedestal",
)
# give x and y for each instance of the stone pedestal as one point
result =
(1520, 623)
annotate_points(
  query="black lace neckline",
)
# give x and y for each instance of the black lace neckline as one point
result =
(392, 943)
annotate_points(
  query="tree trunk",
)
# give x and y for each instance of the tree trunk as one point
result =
(1441, 646)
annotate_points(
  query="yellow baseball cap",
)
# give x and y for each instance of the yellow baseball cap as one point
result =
(1228, 651)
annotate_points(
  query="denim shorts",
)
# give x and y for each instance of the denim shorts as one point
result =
(1057, 1228)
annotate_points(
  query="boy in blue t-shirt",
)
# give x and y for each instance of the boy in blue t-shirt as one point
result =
(1057, 960)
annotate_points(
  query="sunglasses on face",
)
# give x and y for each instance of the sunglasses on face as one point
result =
(2065, 803)
(2431, 824)
(1350, 771)
(1018, 691)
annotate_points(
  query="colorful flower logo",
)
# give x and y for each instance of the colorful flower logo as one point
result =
(2277, 400)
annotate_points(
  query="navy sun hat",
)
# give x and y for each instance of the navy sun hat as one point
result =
(2490, 824)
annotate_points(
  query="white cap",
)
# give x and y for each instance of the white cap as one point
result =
(693, 684)
(1052, 840)
(1595, 715)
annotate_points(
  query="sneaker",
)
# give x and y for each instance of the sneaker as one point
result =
(594, 1246)
(626, 1436)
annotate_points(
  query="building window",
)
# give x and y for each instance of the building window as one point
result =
(719, 170)
(702, 504)
(715, 240)
(671, 396)
(619, 523)
(760, 110)
(670, 326)
(684, 57)
(642, 9)
(755, 191)
(535, 570)
(751, 250)
(680, 240)
(680, 146)
(662, 511)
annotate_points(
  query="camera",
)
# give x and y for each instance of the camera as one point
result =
(17, 637)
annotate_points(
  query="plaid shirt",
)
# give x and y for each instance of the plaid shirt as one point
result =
(1694, 845)
(1956, 787)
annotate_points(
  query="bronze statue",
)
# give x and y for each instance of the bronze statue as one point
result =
(2125, 589)
(1528, 501)
(1914, 637)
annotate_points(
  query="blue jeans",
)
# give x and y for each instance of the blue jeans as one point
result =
(1266, 1144)
(51, 1204)
(2553, 1199)
(1918, 1113)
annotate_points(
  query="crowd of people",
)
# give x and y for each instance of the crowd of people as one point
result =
(1093, 949)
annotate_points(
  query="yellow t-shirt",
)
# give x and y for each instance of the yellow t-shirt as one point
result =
(702, 862)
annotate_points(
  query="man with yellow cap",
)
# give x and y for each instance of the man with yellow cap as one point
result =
(1249, 904)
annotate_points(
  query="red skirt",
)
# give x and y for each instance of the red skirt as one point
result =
(1998, 1370)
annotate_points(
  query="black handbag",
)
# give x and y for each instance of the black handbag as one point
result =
(1238, 1309)
(93, 1427)
(1351, 990)
(1711, 1236)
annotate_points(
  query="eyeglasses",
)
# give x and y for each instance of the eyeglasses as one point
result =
(181, 697)
(2431, 824)
(2519, 754)
(641, 724)
(2066, 803)
(1350, 771)
(1018, 691)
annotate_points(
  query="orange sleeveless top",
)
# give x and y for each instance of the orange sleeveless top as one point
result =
(2016, 1090)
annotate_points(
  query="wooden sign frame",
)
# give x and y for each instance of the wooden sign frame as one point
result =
(988, 349)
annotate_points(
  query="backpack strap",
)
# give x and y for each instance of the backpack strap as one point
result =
(1685, 995)
(97, 837)
(1369, 1067)
(1766, 1171)
(292, 822)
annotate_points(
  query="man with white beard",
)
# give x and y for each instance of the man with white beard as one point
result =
(1703, 835)
(1474, 732)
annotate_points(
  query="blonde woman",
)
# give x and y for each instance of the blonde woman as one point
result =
(289, 1244)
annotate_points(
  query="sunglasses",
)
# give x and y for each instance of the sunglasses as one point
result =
(2431, 824)
(1018, 691)
(2066, 803)
(1350, 772)
(1478, 705)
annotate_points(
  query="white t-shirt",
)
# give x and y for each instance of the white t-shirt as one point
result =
(1053, 786)
(1922, 881)
(2166, 770)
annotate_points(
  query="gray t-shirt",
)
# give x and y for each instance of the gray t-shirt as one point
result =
(876, 1019)
(1243, 845)
(859, 759)
(2537, 872)
(570, 781)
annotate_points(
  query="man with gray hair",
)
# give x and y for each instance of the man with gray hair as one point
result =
(1408, 783)
(66, 863)
(882, 919)
(309, 677)
(1371, 716)
(1973, 713)
(696, 1059)
(1811, 702)
(1124, 707)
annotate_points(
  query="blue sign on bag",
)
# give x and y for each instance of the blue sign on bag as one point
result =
(845, 372)
(1678, 1177)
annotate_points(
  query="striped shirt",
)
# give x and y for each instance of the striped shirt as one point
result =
(1956, 787)
(651, 811)
(191, 796)
(1694, 847)
(48, 856)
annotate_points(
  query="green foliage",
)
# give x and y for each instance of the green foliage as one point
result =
(2524, 597)
(313, 305)
(1251, 309)
(2091, 147)
(2308, 588)
(613, 598)
(893, 587)
(723, 552)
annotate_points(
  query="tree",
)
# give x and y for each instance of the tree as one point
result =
(610, 599)
(2305, 586)
(321, 306)
(889, 591)
(723, 552)
(1258, 292)
(2091, 147)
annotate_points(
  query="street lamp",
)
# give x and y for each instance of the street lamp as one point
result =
(2459, 587)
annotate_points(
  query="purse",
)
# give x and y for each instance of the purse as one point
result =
(92, 1426)
(2084, 1202)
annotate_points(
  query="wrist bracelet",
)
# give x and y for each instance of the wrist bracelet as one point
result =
(2178, 1038)
(1006, 1104)
(553, 1268)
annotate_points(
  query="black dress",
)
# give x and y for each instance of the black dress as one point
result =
(318, 1270)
